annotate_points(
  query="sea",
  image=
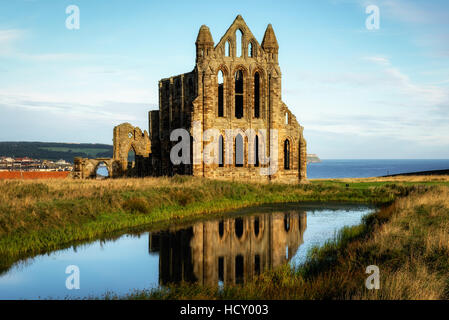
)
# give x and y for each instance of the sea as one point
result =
(329, 169)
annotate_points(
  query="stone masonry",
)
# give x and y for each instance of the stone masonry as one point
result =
(235, 85)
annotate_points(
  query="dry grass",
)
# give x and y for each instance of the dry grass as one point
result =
(396, 179)
(421, 228)
(411, 251)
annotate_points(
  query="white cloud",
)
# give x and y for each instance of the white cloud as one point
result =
(377, 102)
(8, 37)
(422, 12)
(111, 111)
(425, 94)
(379, 60)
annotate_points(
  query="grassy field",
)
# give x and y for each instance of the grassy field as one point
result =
(41, 216)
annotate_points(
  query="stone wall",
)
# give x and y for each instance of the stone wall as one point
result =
(85, 168)
(196, 96)
(127, 138)
(248, 97)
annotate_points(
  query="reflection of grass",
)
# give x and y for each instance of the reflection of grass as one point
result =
(408, 241)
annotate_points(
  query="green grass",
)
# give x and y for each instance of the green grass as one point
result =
(371, 184)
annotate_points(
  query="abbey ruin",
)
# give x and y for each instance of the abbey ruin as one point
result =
(234, 88)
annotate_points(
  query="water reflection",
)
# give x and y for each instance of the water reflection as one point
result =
(228, 251)
(218, 251)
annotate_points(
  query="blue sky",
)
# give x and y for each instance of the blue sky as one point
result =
(359, 93)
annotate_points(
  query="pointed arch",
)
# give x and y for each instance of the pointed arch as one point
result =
(256, 150)
(287, 154)
(256, 95)
(105, 173)
(239, 151)
(239, 43)
(251, 49)
(221, 151)
(221, 95)
(131, 156)
(239, 92)
(227, 49)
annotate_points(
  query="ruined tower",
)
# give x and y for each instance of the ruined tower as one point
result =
(231, 108)
(235, 85)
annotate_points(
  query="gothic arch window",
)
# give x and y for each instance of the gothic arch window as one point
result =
(228, 48)
(256, 95)
(238, 43)
(256, 151)
(251, 50)
(287, 154)
(221, 151)
(239, 151)
(220, 94)
(239, 94)
(131, 157)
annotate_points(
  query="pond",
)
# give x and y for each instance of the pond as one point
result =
(229, 249)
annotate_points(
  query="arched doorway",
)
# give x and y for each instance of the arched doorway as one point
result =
(131, 158)
(131, 161)
(102, 171)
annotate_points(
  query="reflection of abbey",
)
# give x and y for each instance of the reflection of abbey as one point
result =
(236, 84)
(229, 251)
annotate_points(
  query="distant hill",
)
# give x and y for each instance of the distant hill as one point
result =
(55, 151)
(313, 158)
(68, 151)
